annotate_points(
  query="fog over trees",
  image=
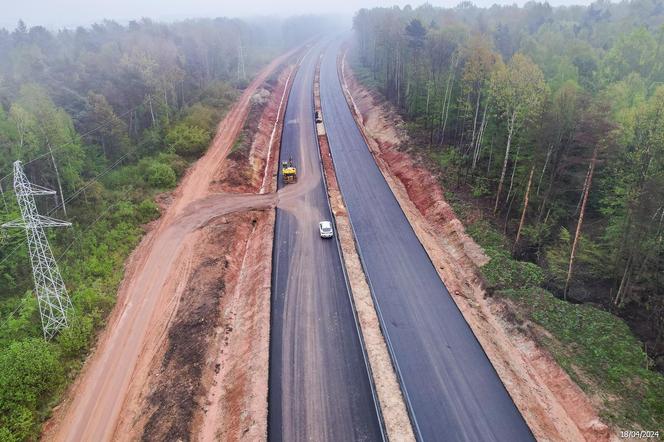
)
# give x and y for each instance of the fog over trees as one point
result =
(550, 120)
(109, 116)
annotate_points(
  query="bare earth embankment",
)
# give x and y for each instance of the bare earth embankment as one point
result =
(554, 407)
(185, 351)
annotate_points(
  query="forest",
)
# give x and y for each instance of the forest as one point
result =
(109, 116)
(551, 121)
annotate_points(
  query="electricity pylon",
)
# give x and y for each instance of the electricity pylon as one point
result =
(52, 296)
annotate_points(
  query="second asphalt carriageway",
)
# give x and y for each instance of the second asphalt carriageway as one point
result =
(451, 389)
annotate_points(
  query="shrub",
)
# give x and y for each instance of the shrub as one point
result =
(75, 339)
(147, 210)
(16, 424)
(590, 264)
(124, 177)
(161, 176)
(201, 116)
(485, 235)
(90, 302)
(151, 142)
(177, 163)
(187, 140)
(29, 370)
(603, 346)
(503, 271)
(480, 189)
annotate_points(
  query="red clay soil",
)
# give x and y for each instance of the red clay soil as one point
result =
(177, 383)
(235, 406)
(190, 255)
(244, 166)
(212, 377)
(555, 408)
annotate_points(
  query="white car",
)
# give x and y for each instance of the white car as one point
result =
(325, 229)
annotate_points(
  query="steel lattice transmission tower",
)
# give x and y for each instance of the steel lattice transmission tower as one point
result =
(51, 292)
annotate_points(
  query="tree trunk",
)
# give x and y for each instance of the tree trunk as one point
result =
(431, 119)
(151, 111)
(57, 176)
(488, 166)
(396, 72)
(426, 111)
(623, 282)
(525, 206)
(509, 203)
(448, 99)
(478, 143)
(510, 132)
(4, 201)
(516, 161)
(577, 234)
(585, 182)
(652, 249)
(546, 162)
(477, 112)
(20, 133)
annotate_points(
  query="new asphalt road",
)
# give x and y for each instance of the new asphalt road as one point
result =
(453, 390)
(319, 388)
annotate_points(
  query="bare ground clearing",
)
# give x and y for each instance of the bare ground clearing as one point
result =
(183, 271)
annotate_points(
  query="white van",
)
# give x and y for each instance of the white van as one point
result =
(325, 229)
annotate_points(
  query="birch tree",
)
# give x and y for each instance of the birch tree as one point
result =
(480, 62)
(519, 91)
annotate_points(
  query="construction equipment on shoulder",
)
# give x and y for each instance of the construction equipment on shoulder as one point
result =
(288, 171)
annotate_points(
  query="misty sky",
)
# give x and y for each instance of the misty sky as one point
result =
(69, 13)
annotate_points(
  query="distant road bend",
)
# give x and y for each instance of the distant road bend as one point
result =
(452, 390)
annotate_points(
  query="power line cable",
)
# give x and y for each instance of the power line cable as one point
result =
(79, 191)
(108, 122)
(9, 317)
(18, 246)
(102, 215)
(89, 183)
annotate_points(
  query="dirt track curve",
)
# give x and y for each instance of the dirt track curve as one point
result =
(151, 287)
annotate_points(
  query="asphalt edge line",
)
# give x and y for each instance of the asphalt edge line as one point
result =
(358, 329)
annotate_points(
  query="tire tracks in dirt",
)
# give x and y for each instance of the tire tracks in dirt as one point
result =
(106, 401)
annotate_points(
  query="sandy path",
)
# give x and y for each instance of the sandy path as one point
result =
(149, 292)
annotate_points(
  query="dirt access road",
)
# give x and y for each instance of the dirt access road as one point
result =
(153, 282)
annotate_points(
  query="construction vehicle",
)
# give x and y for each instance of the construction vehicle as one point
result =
(288, 171)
